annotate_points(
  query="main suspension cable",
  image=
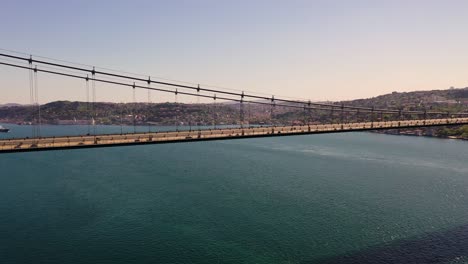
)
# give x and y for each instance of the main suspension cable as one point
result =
(221, 98)
(190, 87)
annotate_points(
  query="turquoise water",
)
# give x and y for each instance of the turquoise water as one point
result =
(338, 198)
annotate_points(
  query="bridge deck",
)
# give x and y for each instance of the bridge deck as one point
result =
(51, 143)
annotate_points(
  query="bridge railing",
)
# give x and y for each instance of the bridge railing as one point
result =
(221, 106)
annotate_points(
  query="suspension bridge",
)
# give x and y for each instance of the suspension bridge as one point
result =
(339, 117)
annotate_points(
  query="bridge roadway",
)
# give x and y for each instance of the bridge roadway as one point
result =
(90, 141)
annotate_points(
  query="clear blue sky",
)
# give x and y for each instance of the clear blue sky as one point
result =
(308, 49)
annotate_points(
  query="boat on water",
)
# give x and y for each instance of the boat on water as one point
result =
(4, 129)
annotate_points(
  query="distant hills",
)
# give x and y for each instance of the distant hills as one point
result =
(10, 104)
(66, 112)
(417, 100)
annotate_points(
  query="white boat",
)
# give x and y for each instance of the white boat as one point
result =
(4, 129)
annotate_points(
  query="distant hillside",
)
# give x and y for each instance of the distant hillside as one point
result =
(11, 104)
(61, 112)
(451, 99)
(66, 112)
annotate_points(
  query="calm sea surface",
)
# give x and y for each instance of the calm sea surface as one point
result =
(338, 198)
